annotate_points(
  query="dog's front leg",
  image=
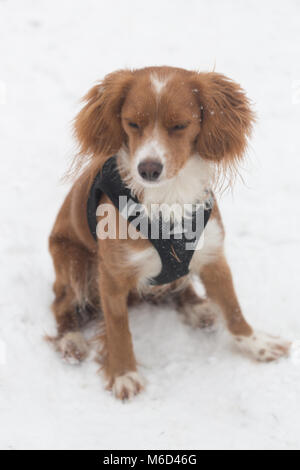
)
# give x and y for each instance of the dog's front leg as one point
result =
(217, 280)
(120, 364)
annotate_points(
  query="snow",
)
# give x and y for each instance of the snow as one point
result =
(201, 392)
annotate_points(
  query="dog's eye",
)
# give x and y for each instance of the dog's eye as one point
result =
(134, 125)
(179, 127)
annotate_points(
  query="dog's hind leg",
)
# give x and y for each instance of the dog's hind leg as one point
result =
(71, 306)
(194, 310)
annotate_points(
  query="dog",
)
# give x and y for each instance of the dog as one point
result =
(173, 134)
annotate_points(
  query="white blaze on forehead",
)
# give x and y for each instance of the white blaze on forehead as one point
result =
(158, 83)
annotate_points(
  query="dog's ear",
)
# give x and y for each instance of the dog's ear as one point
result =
(98, 126)
(226, 117)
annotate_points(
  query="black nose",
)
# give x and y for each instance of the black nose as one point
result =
(150, 170)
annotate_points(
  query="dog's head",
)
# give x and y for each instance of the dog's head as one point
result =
(160, 117)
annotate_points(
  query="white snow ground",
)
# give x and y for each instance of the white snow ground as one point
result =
(201, 393)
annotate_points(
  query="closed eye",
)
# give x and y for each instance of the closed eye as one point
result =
(179, 127)
(134, 125)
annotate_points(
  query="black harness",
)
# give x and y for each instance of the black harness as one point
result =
(174, 247)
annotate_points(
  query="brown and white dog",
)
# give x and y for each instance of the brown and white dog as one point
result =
(174, 132)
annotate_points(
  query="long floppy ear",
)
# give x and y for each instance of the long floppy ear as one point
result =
(226, 117)
(98, 125)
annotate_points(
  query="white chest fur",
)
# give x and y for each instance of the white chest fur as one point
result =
(187, 187)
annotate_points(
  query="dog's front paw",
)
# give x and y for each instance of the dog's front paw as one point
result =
(73, 347)
(127, 386)
(263, 347)
(200, 315)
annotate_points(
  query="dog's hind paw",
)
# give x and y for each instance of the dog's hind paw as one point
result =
(202, 315)
(73, 347)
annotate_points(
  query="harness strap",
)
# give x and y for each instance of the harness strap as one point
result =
(176, 249)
